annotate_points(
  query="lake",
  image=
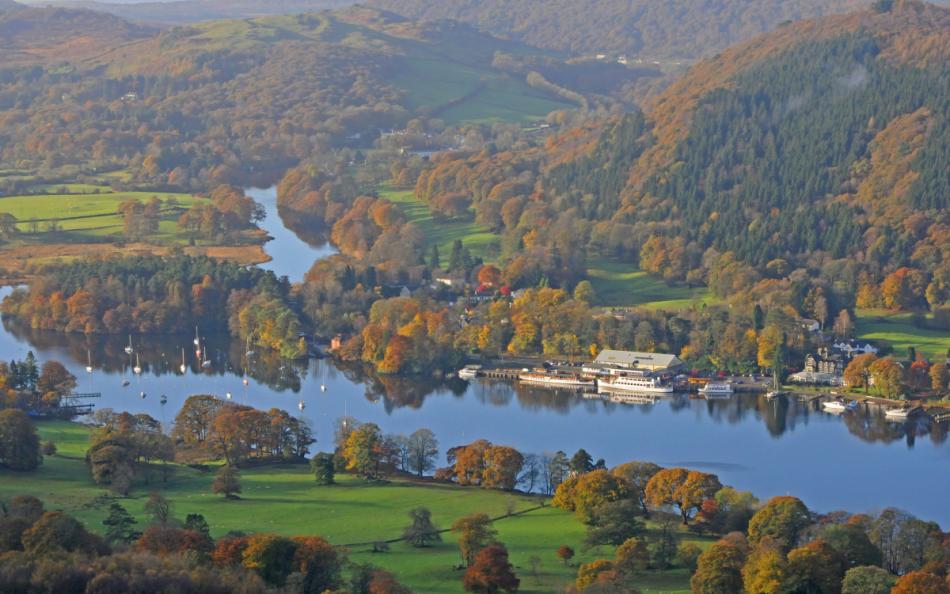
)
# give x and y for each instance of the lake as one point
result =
(857, 461)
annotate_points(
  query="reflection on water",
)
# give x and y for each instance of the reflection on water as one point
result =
(292, 252)
(857, 461)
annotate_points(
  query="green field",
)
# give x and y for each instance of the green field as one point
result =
(285, 499)
(432, 82)
(479, 240)
(898, 330)
(84, 215)
(623, 285)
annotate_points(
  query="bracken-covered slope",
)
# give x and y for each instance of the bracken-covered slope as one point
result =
(656, 29)
(829, 136)
(33, 35)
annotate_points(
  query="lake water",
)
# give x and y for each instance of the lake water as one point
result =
(290, 255)
(857, 461)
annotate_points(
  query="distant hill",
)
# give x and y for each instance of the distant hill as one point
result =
(6, 5)
(826, 136)
(653, 29)
(179, 12)
(40, 34)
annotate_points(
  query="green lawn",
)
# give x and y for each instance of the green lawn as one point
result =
(479, 240)
(432, 81)
(85, 215)
(286, 500)
(623, 285)
(898, 330)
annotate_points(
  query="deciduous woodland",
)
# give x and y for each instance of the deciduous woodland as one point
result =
(648, 518)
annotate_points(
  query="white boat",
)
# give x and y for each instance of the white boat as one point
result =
(129, 350)
(838, 405)
(197, 340)
(555, 380)
(716, 389)
(301, 405)
(142, 395)
(88, 361)
(137, 370)
(469, 372)
(636, 384)
(125, 382)
(899, 414)
(183, 367)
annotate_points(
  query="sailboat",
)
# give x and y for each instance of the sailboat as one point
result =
(301, 405)
(197, 340)
(129, 350)
(227, 395)
(205, 362)
(323, 384)
(88, 361)
(137, 370)
(142, 395)
(183, 367)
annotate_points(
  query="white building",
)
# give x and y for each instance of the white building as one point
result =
(637, 361)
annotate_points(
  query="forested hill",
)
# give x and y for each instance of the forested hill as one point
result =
(654, 29)
(826, 139)
(197, 105)
(30, 35)
(178, 12)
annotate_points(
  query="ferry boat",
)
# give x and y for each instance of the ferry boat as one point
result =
(716, 389)
(640, 384)
(557, 380)
(469, 372)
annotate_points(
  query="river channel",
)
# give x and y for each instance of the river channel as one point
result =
(857, 461)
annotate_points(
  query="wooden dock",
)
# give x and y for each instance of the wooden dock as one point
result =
(500, 373)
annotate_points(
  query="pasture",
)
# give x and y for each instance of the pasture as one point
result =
(898, 330)
(479, 240)
(285, 499)
(623, 285)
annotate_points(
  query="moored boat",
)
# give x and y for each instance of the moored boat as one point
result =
(558, 380)
(716, 389)
(838, 406)
(635, 384)
(469, 372)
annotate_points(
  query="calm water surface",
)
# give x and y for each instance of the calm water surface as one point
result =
(858, 461)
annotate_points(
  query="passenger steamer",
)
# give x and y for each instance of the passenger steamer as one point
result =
(555, 380)
(635, 384)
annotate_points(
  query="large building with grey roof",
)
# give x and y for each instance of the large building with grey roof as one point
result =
(635, 361)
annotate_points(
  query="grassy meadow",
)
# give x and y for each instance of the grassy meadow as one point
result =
(479, 240)
(285, 499)
(623, 285)
(899, 331)
(86, 213)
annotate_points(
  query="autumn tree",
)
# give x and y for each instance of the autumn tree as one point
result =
(565, 554)
(765, 569)
(637, 475)
(19, 442)
(814, 567)
(888, 377)
(58, 532)
(319, 562)
(782, 519)
(159, 508)
(920, 582)
(227, 482)
(586, 492)
(421, 532)
(852, 544)
(491, 572)
(858, 372)
(685, 489)
(614, 522)
(363, 451)
(271, 556)
(719, 569)
(475, 532)
(55, 381)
